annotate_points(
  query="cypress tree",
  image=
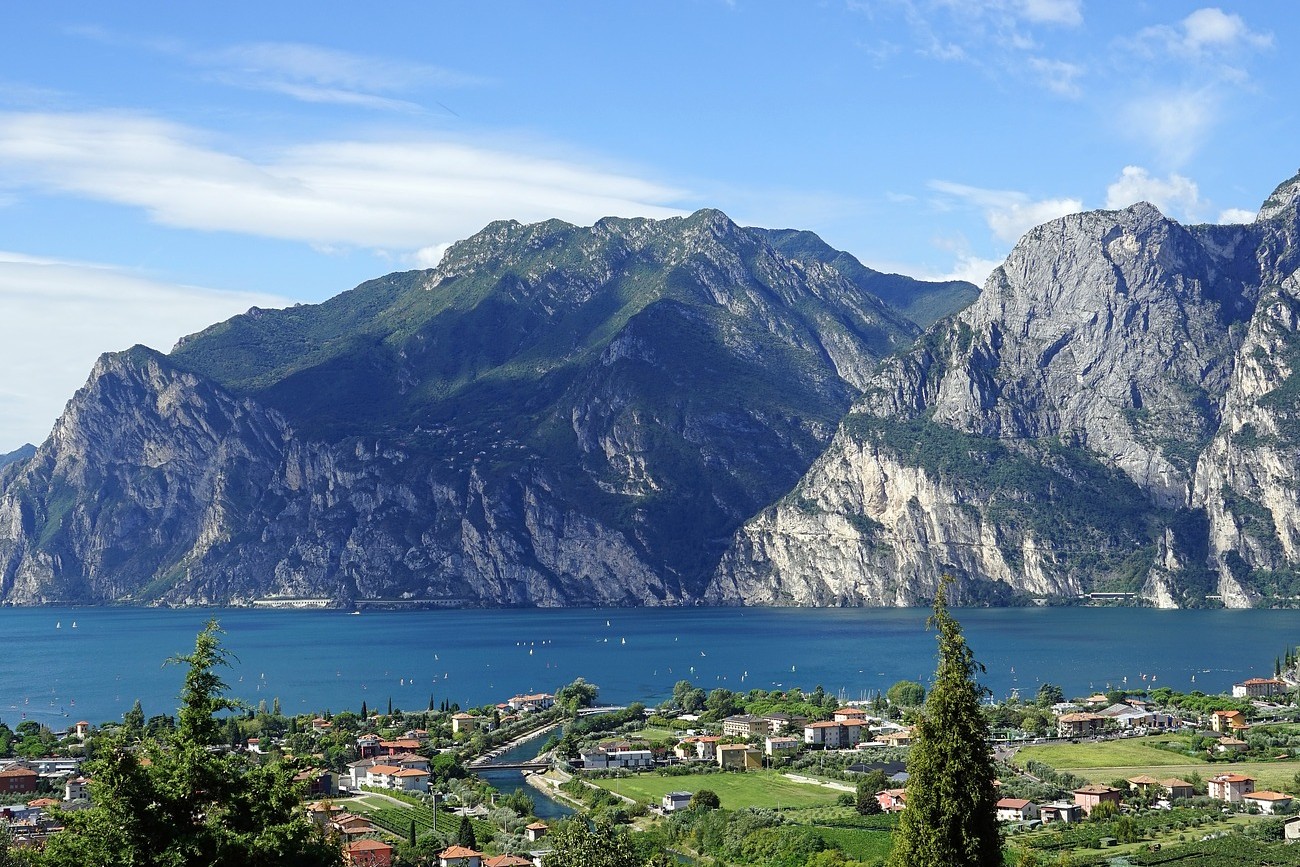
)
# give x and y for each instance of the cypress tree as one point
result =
(951, 814)
(465, 834)
(365, 714)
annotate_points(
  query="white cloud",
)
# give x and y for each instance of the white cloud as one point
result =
(1236, 215)
(398, 194)
(1213, 28)
(59, 316)
(1058, 76)
(1066, 12)
(1009, 213)
(1174, 124)
(1175, 195)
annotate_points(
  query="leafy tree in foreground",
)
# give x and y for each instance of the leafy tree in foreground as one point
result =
(705, 799)
(175, 801)
(573, 844)
(951, 814)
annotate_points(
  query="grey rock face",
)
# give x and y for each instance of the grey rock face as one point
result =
(1080, 427)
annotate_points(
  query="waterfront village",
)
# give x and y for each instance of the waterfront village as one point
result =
(720, 777)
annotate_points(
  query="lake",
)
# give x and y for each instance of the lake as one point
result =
(59, 665)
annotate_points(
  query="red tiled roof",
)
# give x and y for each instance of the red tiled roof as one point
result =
(459, 852)
(1013, 803)
(371, 846)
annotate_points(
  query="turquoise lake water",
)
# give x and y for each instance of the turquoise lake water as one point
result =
(62, 665)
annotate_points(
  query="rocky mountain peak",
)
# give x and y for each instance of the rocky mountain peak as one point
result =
(1282, 200)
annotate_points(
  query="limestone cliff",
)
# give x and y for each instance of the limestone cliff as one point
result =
(1111, 414)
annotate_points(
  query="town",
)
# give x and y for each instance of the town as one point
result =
(1122, 772)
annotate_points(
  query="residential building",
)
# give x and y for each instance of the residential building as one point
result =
(507, 861)
(1231, 745)
(459, 856)
(1291, 830)
(892, 800)
(1259, 687)
(1090, 796)
(1268, 802)
(76, 789)
(850, 714)
(898, 738)
(1178, 788)
(1076, 725)
(368, 853)
(1016, 810)
(780, 723)
(833, 735)
(1068, 813)
(535, 701)
(620, 758)
(674, 801)
(81, 729)
(17, 780)
(1224, 721)
(703, 748)
(1230, 787)
(467, 723)
(781, 746)
(741, 756)
(745, 725)
(535, 831)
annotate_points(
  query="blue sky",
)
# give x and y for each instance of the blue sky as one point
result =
(164, 166)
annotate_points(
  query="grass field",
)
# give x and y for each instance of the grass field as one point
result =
(735, 790)
(1111, 760)
(655, 733)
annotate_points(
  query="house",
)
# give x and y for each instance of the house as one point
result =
(1231, 745)
(703, 748)
(76, 789)
(850, 714)
(1076, 725)
(1090, 796)
(397, 777)
(81, 729)
(316, 782)
(781, 746)
(1258, 687)
(1230, 787)
(745, 725)
(1268, 802)
(1178, 788)
(1016, 810)
(1291, 830)
(459, 856)
(892, 800)
(323, 812)
(833, 735)
(899, 738)
(674, 801)
(368, 853)
(741, 756)
(17, 780)
(399, 746)
(534, 701)
(1068, 813)
(352, 827)
(466, 723)
(1142, 783)
(320, 724)
(536, 831)
(1223, 721)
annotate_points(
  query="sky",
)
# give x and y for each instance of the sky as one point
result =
(166, 166)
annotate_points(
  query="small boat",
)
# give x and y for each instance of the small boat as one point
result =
(58, 624)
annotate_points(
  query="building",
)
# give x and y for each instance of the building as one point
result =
(1268, 802)
(1258, 687)
(745, 725)
(600, 758)
(76, 789)
(1178, 788)
(674, 801)
(1089, 797)
(833, 735)
(536, 831)
(1068, 813)
(535, 701)
(368, 853)
(467, 723)
(507, 861)
(1230, 787)
(459, 856)
(17, 780)
(1016, 810)
(741, 756)
(850, 714)
(1077, 725)
(892, 800)
(1224, 721)
(780, 723)
(781, 746)
(1291, 830)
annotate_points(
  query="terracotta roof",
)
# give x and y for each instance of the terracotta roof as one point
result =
(1260, 680)
(42, 802)
(1231, 778)
(370, 846)
(507, 861)
(411, 772)
(459, 852)
(1227, 714)
(824, 724)
(1079, 717)
(1013, 803)
(1267, 796)
(538, 826)
(1175, 782)
(1144, 780)
(1095, 789)
(384, 769)
(18, 772)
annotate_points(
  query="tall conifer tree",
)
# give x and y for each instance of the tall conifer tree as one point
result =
(951, 814)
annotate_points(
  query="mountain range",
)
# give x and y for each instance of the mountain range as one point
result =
(689, 411)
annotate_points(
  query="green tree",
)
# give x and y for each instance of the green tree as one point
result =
(865, 799)
(465, 834)
(173, 801)
(705, 799)
(573, 844)
(1049, 694)
(906, 693)
(578, 694)
(951, 814)
(133, 721)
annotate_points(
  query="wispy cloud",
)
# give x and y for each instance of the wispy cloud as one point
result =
(402, 194)
(1176, 123)
(1236, 215)
(1209, 31)
(1008, 213)
(311, 73)
(83, 308)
